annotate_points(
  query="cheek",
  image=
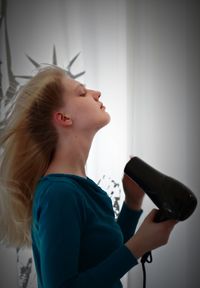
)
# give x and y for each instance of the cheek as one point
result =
(81, 112)
(85, 106)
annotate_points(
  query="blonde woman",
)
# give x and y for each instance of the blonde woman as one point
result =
(48, 202)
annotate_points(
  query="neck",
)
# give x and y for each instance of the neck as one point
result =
(71, 155)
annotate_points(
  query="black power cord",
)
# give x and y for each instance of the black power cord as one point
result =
(147, 257)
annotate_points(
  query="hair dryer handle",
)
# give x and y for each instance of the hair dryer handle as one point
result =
(161, 216)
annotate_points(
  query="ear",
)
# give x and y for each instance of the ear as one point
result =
(63, 119)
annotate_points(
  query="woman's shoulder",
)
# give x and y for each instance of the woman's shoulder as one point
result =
(58, 187)
(58, 196)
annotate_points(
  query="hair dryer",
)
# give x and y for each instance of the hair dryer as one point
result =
(174, 199)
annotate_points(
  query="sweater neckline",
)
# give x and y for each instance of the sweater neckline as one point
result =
(64, 175)
(76, 177)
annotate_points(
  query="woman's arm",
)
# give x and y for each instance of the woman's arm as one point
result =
(128, 220)
(131, 208)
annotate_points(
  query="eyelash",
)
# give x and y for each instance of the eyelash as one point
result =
(83, 94)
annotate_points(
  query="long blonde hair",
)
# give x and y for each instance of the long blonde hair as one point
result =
(28, 143)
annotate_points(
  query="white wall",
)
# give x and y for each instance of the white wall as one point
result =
(163, 85)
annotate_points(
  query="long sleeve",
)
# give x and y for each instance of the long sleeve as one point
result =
(128, 220)
(61, 217)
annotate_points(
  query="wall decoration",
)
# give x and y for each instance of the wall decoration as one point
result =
(7, 99)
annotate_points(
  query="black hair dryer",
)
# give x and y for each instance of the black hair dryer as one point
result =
(174, 199)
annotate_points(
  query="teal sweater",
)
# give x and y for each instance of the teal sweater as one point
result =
(76, 241)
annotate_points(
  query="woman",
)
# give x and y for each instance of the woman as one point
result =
(48, 202)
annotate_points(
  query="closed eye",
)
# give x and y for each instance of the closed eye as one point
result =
(82, 94)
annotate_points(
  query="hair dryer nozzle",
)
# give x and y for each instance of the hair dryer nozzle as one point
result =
(173, 198)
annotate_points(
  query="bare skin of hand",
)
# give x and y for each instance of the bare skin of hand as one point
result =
(133, 193)
(150, 235)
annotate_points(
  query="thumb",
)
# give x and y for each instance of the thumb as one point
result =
(170, 223)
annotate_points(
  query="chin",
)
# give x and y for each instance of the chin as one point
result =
(103, 121)
(107, 118)
(106, 121)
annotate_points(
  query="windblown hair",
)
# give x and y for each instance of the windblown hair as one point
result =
(28, 144)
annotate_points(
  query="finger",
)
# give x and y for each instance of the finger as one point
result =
(171, 223)
(126, 178)
(151, 216)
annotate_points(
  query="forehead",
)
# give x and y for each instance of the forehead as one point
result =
(71, 85)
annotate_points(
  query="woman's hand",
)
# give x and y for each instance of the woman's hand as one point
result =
(133, 193)
(150, 235)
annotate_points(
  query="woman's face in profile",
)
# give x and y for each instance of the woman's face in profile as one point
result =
(83, 106)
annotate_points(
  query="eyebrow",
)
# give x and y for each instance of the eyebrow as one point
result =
(80, 84)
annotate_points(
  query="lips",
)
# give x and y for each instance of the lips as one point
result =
(102, 106)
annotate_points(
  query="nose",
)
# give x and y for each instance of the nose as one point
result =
(97, 95)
